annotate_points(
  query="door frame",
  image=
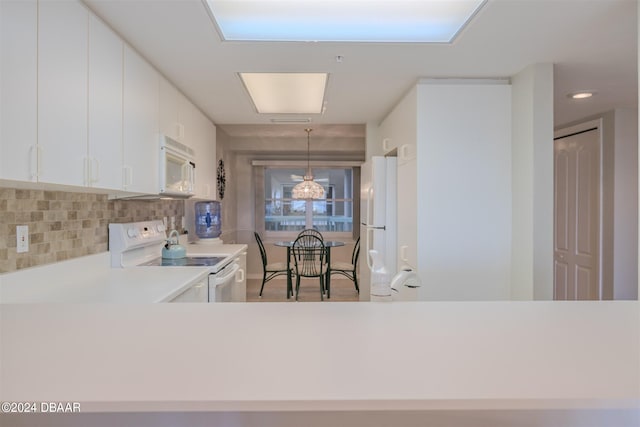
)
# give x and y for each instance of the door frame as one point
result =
(563, 133)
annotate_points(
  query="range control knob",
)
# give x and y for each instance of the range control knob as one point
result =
(160, 228)
(132, 232)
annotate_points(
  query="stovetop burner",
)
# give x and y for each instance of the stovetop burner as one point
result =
(184, 262)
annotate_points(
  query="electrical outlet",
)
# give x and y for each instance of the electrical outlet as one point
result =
(22, 238)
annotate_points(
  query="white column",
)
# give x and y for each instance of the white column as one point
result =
(532, 183)
(638, 8)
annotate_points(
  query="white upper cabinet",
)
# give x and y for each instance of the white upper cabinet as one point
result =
(178, 116)
(398, 130)
(190, 122)
(104, 159)
(206, 167)
(62, 91)
(168, 111)
(81, 108)
(182, 121)
(141, 137)
(18, 89)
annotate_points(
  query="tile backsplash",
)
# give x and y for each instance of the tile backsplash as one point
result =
(64, 225)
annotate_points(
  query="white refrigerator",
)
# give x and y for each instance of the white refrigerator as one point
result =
(378, 225)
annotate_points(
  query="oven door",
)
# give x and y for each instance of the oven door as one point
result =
(221, 283)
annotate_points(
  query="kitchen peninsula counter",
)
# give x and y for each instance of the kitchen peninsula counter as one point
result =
(90, 279)
(549, 363)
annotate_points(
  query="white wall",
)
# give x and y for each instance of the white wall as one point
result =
(465, 194)
(373, 147)
(229, 202)
(532, 183)
(625, 243)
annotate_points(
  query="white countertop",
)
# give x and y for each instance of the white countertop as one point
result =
(426, 356)
(202, 249)
(90, 279)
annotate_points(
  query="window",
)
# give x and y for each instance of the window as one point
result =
(334, 214)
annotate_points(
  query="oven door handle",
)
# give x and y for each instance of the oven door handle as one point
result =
(232, 272)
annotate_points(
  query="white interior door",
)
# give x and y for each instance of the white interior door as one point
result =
(577, 215)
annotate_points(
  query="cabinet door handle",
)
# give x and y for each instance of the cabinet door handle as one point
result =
(127, 176)
(33, 162)
(241, 274)
(404, 150)
(95, 167)
(38, 162)
(86, 172)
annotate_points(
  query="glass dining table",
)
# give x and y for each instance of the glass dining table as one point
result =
(328, 244)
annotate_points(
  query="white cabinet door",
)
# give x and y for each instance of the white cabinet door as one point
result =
(398, 130)
(168, 111)
(141, 139)
(198, 292)
(205, 158)
(178, 116)
(18, 89)
(200, 134)
(62, 91)
(104, 161)
(189, 122)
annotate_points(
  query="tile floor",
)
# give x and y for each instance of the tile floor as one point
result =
(276, 290)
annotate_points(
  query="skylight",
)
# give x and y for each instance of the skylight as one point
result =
(286, 93)
(399, 21)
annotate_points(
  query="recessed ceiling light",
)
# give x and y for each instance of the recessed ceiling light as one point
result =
(286, 93)
(409, 21)
(581, 95)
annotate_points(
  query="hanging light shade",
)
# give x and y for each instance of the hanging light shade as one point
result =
(308, 188)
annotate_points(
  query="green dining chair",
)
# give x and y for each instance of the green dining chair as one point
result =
(310, 260)
(346, 269)
(269, 271)
(312, 232)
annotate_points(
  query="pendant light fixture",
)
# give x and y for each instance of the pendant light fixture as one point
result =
(308, 189)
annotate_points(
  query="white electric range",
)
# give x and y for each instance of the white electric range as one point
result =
(139, 244)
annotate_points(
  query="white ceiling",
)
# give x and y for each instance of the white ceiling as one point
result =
(593, 44)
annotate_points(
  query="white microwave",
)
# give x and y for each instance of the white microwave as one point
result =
(177, 168)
